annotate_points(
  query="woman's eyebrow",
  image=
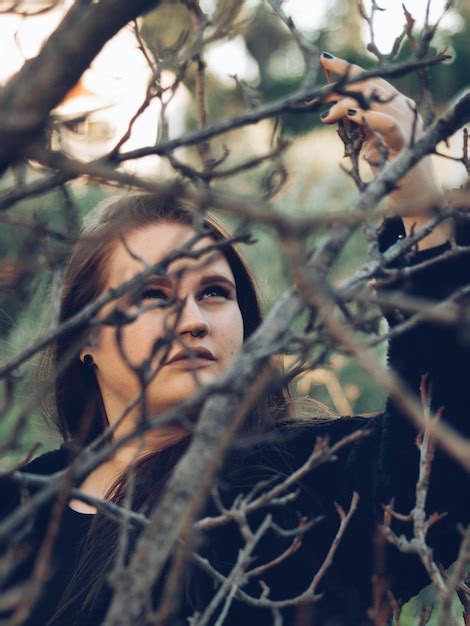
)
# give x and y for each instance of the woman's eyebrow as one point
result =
(160, 280)
(212, 278)
(209, 278)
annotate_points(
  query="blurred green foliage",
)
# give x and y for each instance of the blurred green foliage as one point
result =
(26, 306)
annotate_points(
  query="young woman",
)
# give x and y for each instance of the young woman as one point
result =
(187, 325)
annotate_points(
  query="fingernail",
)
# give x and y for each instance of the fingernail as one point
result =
(352, 111)
(325, 113)
(327, 55)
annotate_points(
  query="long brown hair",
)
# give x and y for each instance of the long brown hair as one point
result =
(79, 411)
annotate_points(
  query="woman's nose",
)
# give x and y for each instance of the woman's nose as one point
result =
(192, 319)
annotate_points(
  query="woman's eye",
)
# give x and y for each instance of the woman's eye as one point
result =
(215, 291)
(154, 294)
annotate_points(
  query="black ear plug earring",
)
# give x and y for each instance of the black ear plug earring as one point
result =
(88, 359)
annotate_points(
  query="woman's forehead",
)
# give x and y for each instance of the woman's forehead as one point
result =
(151, 244)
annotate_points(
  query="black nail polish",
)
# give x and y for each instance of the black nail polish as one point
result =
(327, 55)
(352, 111)
(324, 114)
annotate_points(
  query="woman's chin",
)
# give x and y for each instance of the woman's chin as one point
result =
(182, 387)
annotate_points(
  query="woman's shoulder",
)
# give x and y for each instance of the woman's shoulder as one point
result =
(300, 436)
(45, 464)
(48, 462)
(341, 445)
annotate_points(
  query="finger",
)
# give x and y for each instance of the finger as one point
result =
(334, 97)
(376, 96)
(338, 111)
(343, 103)
(382, 123)
(339, 66)
(342, 67)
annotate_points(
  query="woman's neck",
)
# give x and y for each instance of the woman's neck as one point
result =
(100, 481)
(151, 442)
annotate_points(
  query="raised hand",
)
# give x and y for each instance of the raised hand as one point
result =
(388, 124)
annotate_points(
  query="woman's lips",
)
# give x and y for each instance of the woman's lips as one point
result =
(191, 363)
(195, 357)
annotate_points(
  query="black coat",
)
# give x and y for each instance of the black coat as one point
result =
(381, 467)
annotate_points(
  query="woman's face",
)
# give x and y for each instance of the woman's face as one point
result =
(209, 324)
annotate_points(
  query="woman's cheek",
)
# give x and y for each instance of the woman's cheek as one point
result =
(140, 337)
(233, 334)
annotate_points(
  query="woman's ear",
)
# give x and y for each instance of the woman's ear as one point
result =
(87, 359)
(89, 347)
